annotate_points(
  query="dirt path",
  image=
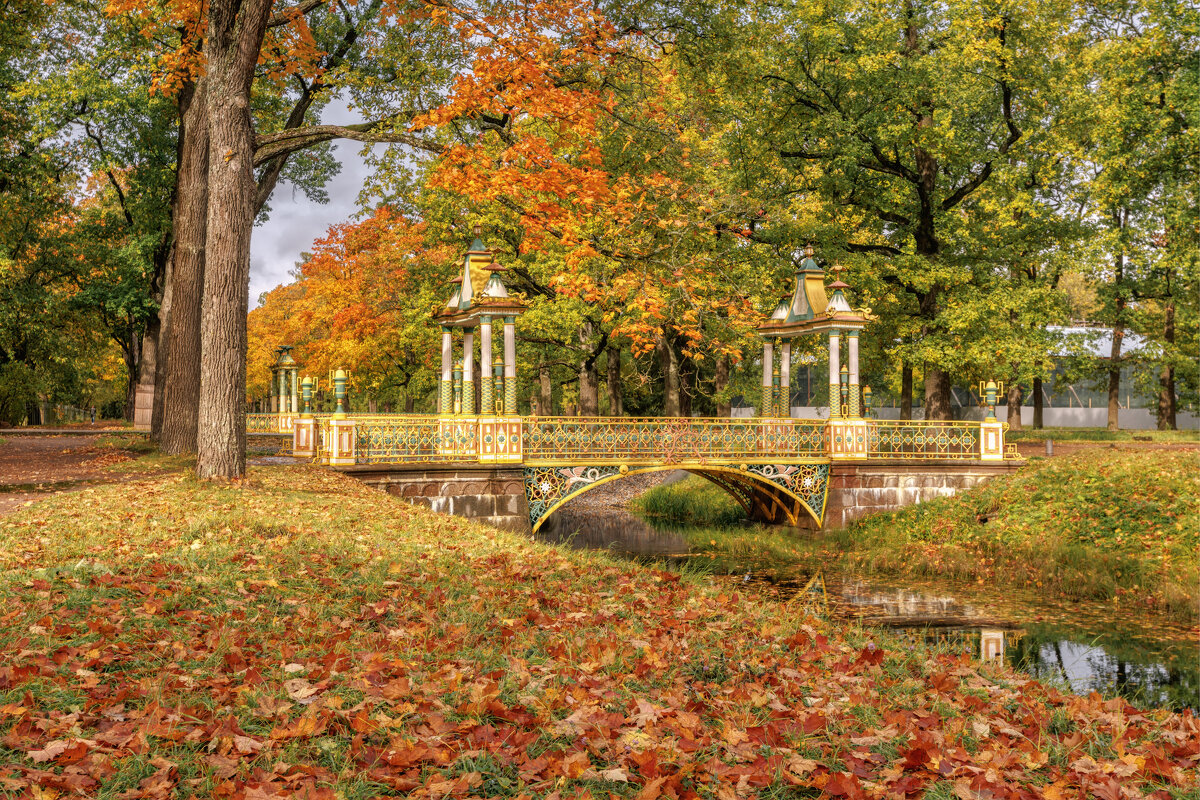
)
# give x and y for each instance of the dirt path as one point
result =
(32, 467)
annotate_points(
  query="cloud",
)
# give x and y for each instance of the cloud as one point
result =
(296, 222)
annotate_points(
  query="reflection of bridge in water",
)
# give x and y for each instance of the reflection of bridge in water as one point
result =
(780, 470)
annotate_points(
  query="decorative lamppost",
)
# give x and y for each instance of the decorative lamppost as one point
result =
(991, 445)
(284, 388)
(304, 429)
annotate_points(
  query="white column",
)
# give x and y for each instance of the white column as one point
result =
(487, 399)
(510, 365)
(785, 378)
(468, 401)
(835, 376)
(768, 369)
(446, 395)
(295, 391)
(854, 404)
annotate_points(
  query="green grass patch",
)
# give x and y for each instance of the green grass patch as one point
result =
(1101, 435)
(1099, 525)
(692, 501)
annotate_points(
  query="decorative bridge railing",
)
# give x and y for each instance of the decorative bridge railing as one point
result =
(429, 439)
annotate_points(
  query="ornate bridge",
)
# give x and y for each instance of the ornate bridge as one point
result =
(779, 470)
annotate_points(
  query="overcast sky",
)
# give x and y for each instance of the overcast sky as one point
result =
(296, 221)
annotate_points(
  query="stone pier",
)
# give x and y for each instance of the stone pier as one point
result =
(495, 495)
(859, 488)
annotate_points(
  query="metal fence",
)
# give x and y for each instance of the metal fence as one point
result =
(922, 440)
(430, 439)
(668, 440)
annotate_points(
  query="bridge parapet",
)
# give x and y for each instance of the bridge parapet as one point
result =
(540, 441)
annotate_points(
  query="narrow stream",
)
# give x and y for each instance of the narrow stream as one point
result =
(1079, 647)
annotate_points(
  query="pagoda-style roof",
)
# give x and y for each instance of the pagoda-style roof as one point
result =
(479, 291)
(810, 310)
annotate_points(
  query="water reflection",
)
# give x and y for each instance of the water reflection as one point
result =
(1081, 652)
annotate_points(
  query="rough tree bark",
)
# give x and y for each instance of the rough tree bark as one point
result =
(720, 383)
(616, 400)
(906, 387)
(177, 396)
(589, 373)
(235, 34)
(669, 365)
(1013, 397)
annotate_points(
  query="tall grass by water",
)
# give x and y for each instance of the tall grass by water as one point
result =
(1119, 526)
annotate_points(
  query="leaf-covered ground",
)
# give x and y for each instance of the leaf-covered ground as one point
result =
(300, 635)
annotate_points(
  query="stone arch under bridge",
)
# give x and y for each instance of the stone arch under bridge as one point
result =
(780, 494)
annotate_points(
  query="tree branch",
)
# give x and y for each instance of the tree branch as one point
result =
(287, 15)
(272, 145)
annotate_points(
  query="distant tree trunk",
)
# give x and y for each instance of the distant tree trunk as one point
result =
(906, 389)
(589, 374)
(545, 391)
(616, 400)
(1118, 335)
(720, 383)
(1166, 377)
(669, 366)
(1014, 397)
(1037, 402)
(235, 34)
(937, 395)
(687, 382)
(177, 393)
(410, 403)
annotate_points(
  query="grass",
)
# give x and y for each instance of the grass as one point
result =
(1090, 526)
(300, 634)
(1101, 435)
(693, 501)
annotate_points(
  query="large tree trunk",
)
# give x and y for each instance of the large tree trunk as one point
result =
(906, 389)
(235, 34)
(1037, 402)
(616, 400)
(669, 365)
(177, 396)
(133, 357)
(720, 383)
(1166, 377)
(937, 395)
(1013, 398)
(687, 382)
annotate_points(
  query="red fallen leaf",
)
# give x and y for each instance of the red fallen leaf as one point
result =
(843, 784)
(574, 765)
(652, 790)
(870, 655)
(50, 752)
(916, 758)
(1106, 789)
(307, 725)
